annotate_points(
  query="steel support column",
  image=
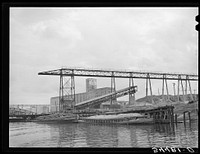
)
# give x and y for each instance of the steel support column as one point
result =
(183, 90)
(191, 96)
(148, 80)
(73, 92)
(66, 93)
(167, 88)
(164, 85)
(179, 78)
(186, 86)
(113, 88)
(163, 88)
(147, 86)
(61, 100)
(150, 89)
(180, 82)
(131, 95)
(174, 89)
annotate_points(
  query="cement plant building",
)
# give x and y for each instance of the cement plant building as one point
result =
(91, 92)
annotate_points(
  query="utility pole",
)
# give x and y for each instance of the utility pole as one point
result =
(174, 89)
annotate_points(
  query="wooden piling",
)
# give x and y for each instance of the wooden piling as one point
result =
(154, 117)
(184, 117)
(169, 115)
(176, 119)
(189, 117)
(172, 115)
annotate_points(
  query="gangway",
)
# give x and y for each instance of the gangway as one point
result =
(107, 97)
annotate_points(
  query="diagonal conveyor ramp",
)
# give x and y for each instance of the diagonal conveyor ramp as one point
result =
(107, 97)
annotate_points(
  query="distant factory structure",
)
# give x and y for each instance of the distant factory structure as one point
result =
(38, 109)
(91, 84)
(91, 92)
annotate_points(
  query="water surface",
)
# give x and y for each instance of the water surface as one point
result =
(30, 134)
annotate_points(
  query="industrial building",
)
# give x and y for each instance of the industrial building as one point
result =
(39, 109)
(91, 84)
(36, 108)
(91, 92)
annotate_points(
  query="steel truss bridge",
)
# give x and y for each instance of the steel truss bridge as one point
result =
(18, 111)
(118, 74)
(68, 87)
(30, 107)
(23, 113)
(23, 106)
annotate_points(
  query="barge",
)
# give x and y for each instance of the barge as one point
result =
(129, 118)
(69, 120)
(57, 118)
(17, 119)
(163, 114)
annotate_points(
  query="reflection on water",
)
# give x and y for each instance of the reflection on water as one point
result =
(94, 135)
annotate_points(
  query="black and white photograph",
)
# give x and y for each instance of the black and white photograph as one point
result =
(103, 77)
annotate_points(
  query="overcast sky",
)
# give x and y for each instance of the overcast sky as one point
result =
(150, 39)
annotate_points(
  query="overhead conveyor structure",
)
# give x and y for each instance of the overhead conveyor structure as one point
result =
(118, 74)
(104, 98)
(71, 73)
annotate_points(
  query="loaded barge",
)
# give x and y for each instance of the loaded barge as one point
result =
(130, 118)
(162, 114)
(151, 116)
(57, 118)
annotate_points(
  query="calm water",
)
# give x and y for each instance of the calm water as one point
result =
(30, 134)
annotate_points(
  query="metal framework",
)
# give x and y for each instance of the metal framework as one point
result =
(28, 107)
(66, 92)
(164, 83)
(117, 74)
(72, 72)
(17, 111)
(148, 80)
(184, 91)
(99, 100)
(131, 95)
(113, 88)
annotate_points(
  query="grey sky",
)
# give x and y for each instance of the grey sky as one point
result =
(151, 39)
